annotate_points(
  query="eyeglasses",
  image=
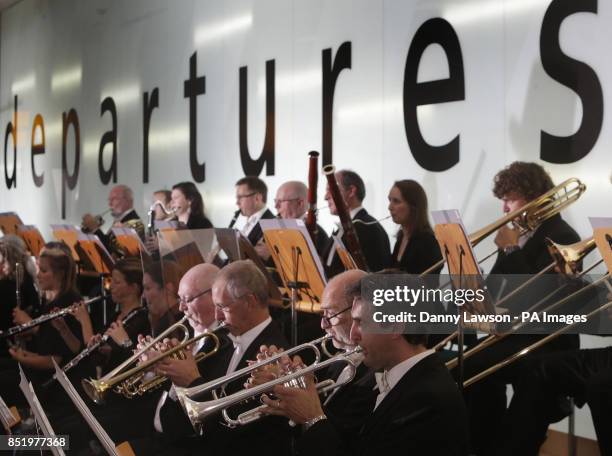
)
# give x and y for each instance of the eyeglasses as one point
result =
(185, 301)
(248, 195)
(278, 201)
(328, 321)
(225, 307)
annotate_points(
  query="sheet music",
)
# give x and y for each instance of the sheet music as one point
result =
(295, 224)
(39, 413)
(72, 393)
(8, 420)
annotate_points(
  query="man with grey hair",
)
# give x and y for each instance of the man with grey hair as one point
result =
(291, 203)
(121, 205)
(240, 297)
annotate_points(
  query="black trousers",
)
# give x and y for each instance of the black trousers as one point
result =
(585, 375)
(486, 399)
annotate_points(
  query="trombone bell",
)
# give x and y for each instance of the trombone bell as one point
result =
(568, 258)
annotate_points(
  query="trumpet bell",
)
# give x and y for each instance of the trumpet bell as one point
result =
(95, 389)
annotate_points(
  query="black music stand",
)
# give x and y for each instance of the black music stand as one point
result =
(298, 264)
(123, 449)
(37, 410)
(464, 272)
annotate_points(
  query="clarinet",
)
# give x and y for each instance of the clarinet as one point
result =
(47, 317)
(234, 218)
(87, 351)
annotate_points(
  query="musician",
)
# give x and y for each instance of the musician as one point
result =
(291, 203)
(121, 204)
(240, 294)
(372, 236)
(349, 405)
(165, 198)
(585, 375)
(416, 248)
(251, 197)
(418, 408)
(515, 185)
(56, 339)
(159, 288)
(12, 251)
(189, 207)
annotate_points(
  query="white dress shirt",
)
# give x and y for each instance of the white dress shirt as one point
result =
(252, 220)
(243, 341)
(386, 381)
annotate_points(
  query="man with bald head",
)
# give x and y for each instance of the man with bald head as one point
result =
(348, 406)
(121, 205)
(238, 296)
(291, 203)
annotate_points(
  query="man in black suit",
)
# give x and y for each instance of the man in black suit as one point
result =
(240, 294)
(121, 205)
(372, 236)
(349, 405)
(418, 408)
(519, 256)
(251, 197)
(291, 203)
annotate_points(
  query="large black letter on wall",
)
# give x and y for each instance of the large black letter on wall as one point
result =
(38, 148)
(437, 30)
(70, 180)
(11, 130)
(576, 75)
(148, 105)
(253, 167)
(193, 87)
(108, 137)
(331, 71)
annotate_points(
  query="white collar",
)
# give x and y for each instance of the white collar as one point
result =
(254, 218)
(245, 339)
(354, 211)
(395, 374)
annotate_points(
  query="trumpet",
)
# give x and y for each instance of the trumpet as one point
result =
(99, 220)
(47, 317)
(151, 215)
(135, 381)
(197, 412)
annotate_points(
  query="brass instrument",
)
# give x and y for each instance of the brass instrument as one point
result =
(525, 351)
(531, 215)
(92, 348)
(135, 381)
(352, 241)
(47, 317)
(170, 213)
(99, 220)
(198, 411)
(567, 258)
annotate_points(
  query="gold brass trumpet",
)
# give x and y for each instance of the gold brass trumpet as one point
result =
(531, 215)
(134, 381)
(197, 412)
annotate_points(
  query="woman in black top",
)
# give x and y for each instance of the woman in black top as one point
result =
(189, 207)
(12, 251)
(416, 248)
(57, 339)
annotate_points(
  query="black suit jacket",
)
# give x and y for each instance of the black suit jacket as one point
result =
(422, 252)
(374, 245)
(424, 414)
(256, 233)
(217, 438)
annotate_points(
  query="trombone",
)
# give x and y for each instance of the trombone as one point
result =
(197, 412)
(530, 216)
(135, 381)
